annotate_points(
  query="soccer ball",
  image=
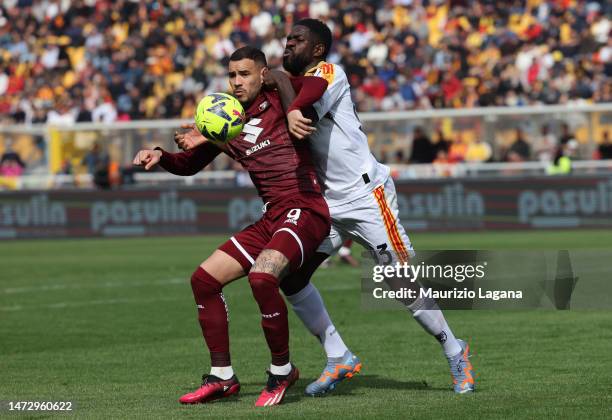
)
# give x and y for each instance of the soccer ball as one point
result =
(219, 117)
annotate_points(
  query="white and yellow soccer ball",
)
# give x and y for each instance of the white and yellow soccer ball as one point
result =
(219, 117)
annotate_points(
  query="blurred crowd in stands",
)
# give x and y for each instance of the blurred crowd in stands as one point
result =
(66, 61)
(544, 147)
(99, 60)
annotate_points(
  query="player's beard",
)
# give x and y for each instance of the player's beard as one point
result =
(295, 64)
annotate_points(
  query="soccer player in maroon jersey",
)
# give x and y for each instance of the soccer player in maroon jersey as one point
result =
(295, 221)
(363, 205)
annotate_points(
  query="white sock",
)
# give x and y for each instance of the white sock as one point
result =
(332, 342)
(224, 372)
(432, 321)
(308, 306)
(280, 370)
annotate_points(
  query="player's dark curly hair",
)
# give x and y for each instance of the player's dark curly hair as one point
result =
(320, 31)
(249, 52)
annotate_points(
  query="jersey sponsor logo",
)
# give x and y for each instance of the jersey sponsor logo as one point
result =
(270, 315)
(251, 130)
(327, 68)
(293, 216)
(257, 147)
(325, 71)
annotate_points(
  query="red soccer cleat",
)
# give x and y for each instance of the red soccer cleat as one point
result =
(274, 392)
(213, 388)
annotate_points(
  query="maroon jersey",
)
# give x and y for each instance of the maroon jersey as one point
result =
(277, 164)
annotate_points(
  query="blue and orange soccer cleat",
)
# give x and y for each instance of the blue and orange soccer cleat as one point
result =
(462, 371)
(333, 374)
(213, 388)
(275, 389)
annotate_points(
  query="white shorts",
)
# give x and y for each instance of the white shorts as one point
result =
(373, 221)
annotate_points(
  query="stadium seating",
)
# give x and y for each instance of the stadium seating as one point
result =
(104, 61)
(101, 60)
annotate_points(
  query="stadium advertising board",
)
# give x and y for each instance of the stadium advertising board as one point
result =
(432, 205)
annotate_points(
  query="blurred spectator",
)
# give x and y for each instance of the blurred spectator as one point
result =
(98, 166)
(398, 157)
(375, 87)
(566, 134)
(478, 151)
(458, 150)
(63, 114)
(442, 143)
(441, 163)
(11, 164)
(153, 57)
(105, 112)
(519, 150)
(423, 150)
(546, 145)
(605, 147)
(393, 100)
(442, 157)
(562, 164)
(66, 167)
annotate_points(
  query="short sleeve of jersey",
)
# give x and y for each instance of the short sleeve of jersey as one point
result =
(336, 88)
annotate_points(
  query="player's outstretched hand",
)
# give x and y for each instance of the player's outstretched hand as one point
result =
(147, 158)
(190, 138)
(299, 125)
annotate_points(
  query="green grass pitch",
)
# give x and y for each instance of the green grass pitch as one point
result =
(111, 325)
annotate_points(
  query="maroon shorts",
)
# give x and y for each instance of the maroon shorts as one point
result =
(294, 226)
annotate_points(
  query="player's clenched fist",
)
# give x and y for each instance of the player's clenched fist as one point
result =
(190, 139)
(299, 125)
(147, 158)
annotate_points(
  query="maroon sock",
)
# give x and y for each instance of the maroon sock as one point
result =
(273, 315)
(212, 314)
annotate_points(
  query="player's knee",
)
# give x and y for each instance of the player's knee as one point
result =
(203, 283)
(265, 291)
(262, 282)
